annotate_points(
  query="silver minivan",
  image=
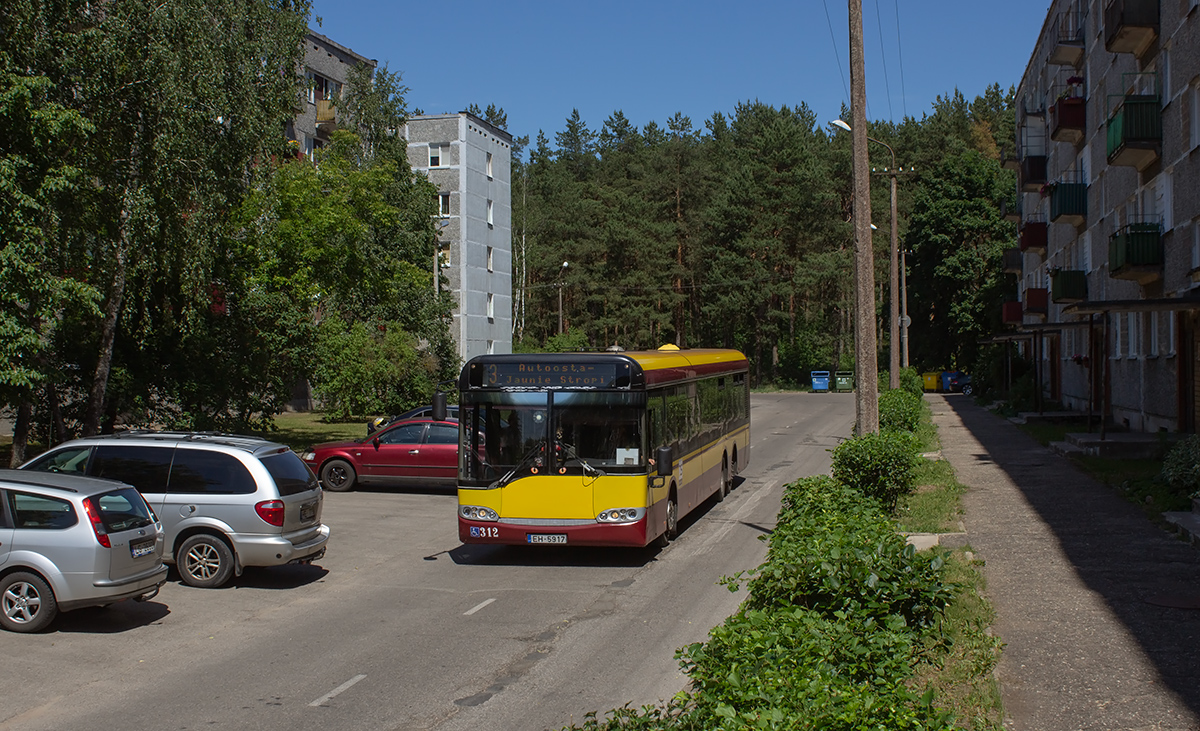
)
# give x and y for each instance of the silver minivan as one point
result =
(68, 542)
(226, 502)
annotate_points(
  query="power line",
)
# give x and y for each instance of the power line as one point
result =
(900, 54)
(883, 56)
(836, 57)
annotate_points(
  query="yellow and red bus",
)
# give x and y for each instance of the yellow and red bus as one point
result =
(597, 449)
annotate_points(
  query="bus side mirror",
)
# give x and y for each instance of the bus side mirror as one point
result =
(664, 461)
(439, 406)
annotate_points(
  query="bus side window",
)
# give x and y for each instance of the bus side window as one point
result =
(657, 437)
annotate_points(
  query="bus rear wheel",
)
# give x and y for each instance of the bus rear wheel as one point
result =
(672, 524)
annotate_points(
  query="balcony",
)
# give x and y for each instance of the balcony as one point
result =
(1068, 119)
(1068, 285)
(1033, 173)
(1033, 237)
(325, 113)
(1014, 261)
(1066, 39)
(1130, 26)
(1037, 302)
(1011, 313)
(1135, 131)
(1135, 252)
(1068, 203)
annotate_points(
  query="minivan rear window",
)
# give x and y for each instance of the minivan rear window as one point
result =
(201, 472)
(123, 510)
(291, 475)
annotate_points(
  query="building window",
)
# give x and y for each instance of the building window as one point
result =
(1171, 333)
(1153, 334)
(491, 306)
(444, 254)
(1132, 340)
(321, 88)
(490, 219)
(491, 347)
(490, 260)
(489, 166)
(437, 155)
(1116, 325)
(1193, 110)
(444, 204)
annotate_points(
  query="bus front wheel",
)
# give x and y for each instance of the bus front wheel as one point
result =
(672, 523)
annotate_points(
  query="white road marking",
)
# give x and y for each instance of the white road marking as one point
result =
(340, 689)
(478, 606)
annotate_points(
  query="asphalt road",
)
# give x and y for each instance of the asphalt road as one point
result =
(403, 627)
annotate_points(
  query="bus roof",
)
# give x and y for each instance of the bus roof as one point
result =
(651, 367)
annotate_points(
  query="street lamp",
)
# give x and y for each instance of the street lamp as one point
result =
(894, 333)
(562, 271)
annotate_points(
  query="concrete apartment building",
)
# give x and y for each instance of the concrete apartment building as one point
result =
(326, 66)
(1108, 168)
(469, 161)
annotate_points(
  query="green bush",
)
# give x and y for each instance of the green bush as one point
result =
(834, 551)
(1181, 468)
(879, 465)
(899, 409)
(364, 371)
(837, 622)
(912, 382)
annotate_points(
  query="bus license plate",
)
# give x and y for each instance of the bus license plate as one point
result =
(546, 537)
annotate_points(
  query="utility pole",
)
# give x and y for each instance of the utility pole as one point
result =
(866, 401)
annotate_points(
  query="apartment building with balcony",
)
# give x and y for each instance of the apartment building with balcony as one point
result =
(325, 68)
(469, 161)
(1108, 168)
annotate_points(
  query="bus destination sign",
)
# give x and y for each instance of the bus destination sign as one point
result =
(552, 375)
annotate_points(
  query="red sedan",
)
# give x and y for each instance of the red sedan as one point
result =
(408, 452)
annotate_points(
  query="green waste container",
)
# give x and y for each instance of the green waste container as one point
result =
(843, 381)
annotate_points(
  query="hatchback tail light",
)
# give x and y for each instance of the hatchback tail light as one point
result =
(93, 513)
(271, 511)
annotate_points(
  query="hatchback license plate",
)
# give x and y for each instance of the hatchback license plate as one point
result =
(308, 512)
(141, 548)
(546, 537)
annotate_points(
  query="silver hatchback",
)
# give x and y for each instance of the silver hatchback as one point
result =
(226, 501)
(68, 542)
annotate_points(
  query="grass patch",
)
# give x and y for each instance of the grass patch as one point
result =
(301, 429)
(935, 506)
(962, 676)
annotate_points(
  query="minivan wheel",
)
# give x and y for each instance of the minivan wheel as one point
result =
(205, 561)
(338, 476)
(27, 603)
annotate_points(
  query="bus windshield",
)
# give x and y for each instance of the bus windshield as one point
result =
(499, 429)
(591, 431)
(603, 430)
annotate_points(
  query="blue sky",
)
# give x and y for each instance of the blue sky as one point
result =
(540, 60)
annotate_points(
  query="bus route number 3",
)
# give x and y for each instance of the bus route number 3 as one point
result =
(485, 532)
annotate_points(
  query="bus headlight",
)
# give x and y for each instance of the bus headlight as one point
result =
(621, 515)
(475, 512)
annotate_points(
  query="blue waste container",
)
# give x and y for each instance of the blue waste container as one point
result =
(820, 380)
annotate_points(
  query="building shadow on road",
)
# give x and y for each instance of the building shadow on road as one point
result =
(1149, 579)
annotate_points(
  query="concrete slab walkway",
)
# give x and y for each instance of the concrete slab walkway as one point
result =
(1098, 607)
